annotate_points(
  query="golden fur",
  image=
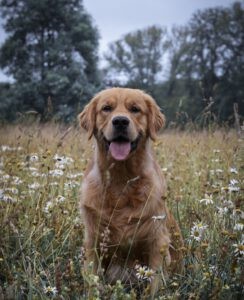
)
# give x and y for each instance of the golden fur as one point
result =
(125, 215)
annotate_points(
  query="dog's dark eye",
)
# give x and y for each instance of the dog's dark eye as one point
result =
(134, 109)
(107, 108)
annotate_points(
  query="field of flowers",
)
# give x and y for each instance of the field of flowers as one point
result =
(41, 232)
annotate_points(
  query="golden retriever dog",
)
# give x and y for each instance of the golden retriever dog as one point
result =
(126, 220)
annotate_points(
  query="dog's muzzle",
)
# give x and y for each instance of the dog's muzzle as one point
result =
(120, 145)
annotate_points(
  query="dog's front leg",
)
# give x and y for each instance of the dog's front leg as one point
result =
(91, 261)
(90, 241)
(159, 260)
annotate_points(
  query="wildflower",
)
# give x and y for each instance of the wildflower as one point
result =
(16, 180)
(71, 184)
(197, 231)
(144, 273)
(48, 207)
(82, 255)
(5, 178)
(140, 271)
(56, 173)
(239, 249)
(77, 221)
(238, 214)
(35, 174)
(32, 169)
(164, 250)
(174, 284)
(94, 279)
(239, 227)
(233, 186)
(34, 158)
(233, 182)
(5, 148)
(215, 160)
(9, 199)
(206, 275)
(213, 269)
(63, 160)
(149, 273)
(73, 176)
(13, 191)
(222, 211)
(207, 200)
(106, 238)
(233, 170)
(216, 151)
(60, 166)
(229, 204)
(198, 174)
(216, 171)
(60, 199)
(50, 291)
(34, 186)
(162, 217)
(226, 287)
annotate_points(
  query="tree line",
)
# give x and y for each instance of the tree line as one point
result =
(195, 72)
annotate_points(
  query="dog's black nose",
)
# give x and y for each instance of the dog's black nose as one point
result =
(120, 122)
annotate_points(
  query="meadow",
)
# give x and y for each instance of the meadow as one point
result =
(41, 231)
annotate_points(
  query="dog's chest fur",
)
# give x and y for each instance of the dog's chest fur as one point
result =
(126, 207)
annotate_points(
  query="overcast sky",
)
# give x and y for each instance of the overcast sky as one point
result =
(116, 18)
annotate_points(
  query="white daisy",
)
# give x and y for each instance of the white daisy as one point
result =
(207, 200)
(56, 173)
(144, 273)
(50, 291)
(198, 230)
(233, 170)
(34, 158)
(239, 249)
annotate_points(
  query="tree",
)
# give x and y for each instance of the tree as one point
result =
(136, 59)
(51, 52)
(210, 59)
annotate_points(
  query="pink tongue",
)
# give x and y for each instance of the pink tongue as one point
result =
(119, 151)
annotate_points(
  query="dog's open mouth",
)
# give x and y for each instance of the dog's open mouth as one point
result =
(121, 147)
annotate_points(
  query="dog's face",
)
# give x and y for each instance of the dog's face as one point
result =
(120, 118)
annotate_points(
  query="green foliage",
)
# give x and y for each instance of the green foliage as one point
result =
(136, 58)
(51, 52)
(208, 56)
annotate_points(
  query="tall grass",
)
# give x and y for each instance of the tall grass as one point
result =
(41, 232)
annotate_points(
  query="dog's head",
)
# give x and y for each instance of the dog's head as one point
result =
(120, 118)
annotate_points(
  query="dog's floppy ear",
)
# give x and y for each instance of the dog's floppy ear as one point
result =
(156, 120)
(87, 117)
